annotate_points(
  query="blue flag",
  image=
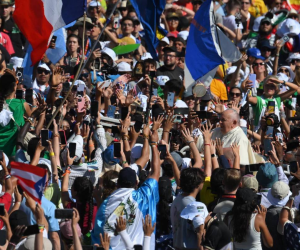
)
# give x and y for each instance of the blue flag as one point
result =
(149, 12)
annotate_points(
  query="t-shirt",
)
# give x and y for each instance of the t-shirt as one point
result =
(181, 227)
(9, 27)
(177, 73)
(6, 200)
(229, 22)
(9, 133)
(219, 89)
(6, 42)
(205, 194)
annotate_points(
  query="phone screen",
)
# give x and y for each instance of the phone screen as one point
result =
(2, 209)
(29, 95)
(170, 99)
(271, 107)
(63, 213)
(137, 126)
(72, 149)
(111, 111)
(117, 149)
(204, 114)
(267, 145)
(94, 108)
(30, 230)
(19, 94)
(45, 137)
(124, 112)
(269, 131)
(19, 74)
(3, 235)
(163, 151)
(252, 78)
(80, 105)
(62, 135)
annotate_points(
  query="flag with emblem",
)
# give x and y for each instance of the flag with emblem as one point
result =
(32, 179)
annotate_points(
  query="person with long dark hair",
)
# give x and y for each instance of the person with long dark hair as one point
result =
(247, 225)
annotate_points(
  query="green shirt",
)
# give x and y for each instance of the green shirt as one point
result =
(9, 133)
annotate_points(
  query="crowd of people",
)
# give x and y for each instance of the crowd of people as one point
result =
(134, 159)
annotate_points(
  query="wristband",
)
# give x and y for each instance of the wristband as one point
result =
(124, 139)
(126, 136)
(124, 162)
(153, 143)
(277, 55)
(286, 207)
(7, 176)
(92, 145)
(51, 154)
(66, 172)
(292, 198)
(189, 142)
(56, 135)
(146, 136)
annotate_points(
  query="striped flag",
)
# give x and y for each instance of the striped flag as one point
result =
(294, 4)
(32, 179)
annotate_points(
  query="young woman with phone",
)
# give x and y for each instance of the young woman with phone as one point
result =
(72, 57)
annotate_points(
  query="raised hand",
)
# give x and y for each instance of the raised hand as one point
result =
(157, 122)
(206, 131)
(235, 149)
(147, 225)
(120, 224)
(187, 135)
(56, 76)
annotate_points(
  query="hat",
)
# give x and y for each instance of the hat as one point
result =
(292, 57)
(279, 194)
(77, 82)
(177, 158)
(94, 4)
(179, 39)
(183, 34)
(249, 181)
(161, 80)
(257, 23)
(88, 22)
(173, 49)
(124, 67)
(267, 175)
(136, 152)
(18, 218)
(47, 163)
(172, 15)
(66, 229)
(166, 40)
(265, 44)
(79, 146)
(110, 53)
(292, 74)
(127, 175)
(288, 27)
(255, 52)
(293, 13)
(245, 195)
(7, 2)
(232, 69)
(265, 19)
(193, 209)
(145, 56)
(44, 66)
(30, 242)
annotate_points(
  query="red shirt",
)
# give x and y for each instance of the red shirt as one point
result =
(6, 200)
(6, 42)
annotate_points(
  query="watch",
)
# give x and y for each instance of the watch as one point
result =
(213, 155)
(283, 83)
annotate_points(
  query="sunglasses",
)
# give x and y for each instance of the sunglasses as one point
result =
(235, 94)
(41, 71)
(295, 61)
(256, 64)
(84, 75)
(283, 70)
(267, 23)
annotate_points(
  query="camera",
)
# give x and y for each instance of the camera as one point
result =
(272, 120)
(109, 70)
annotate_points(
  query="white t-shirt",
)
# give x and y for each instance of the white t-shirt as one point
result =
(229, 22)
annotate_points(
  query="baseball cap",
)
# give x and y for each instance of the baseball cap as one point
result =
(66, 229)
(265, 19)
(18, 218)
(183, 34)
(279, 194)
(245, 195)
(172, 15)
(293, 56)
(88, 22)
(109, 52)
(193, 209)
(44, 66)
(177, 158)
(145, 56)
(161, 80)
(124, 67)
(249, 181)
(94, 4)
(267, 175)
(127, 175)
(265, 44)
(30, 242)
(255, 52)
(166, 40)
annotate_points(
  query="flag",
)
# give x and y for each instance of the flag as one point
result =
(294, 4)
(38, 19)
(32, 179)
(291, 236)
(149, 12)
(207, 47)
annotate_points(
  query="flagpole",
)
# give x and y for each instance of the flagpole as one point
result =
(83, 63)
(219, 41)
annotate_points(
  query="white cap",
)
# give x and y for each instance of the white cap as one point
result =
(16, 61)
(194, 209)
(288, 27)
(166, 40)
(44, 66)
(292, 74)
(183, 34)
(257, 23)
(46, 162)
(145, 56)
(94, 4)
(232, 69)
(110, 53)
(283, 77)
(161, 80)
(77, 82)
(124, 67)
(293, 56)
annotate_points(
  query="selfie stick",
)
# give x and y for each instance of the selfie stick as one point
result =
(83, 63)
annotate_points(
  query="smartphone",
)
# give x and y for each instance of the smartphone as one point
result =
(63, 213)
(152, 73)
(116, 22)
(163, 151)
(105, 84)
(63, 138)
(267, 146)
(258, 200)
(117, 149)
(178, 118)
(113, 100)
(97, 64)
(48, 118)
(254, 167)
(30, 230)
(72, 149)
(204, 114)
(10, 66)
(53, 39)
(2, 209)
(124, 112)
(154, 91)
(1, 155)
(170, 99)
(19, 74)
(293, 167)
(269, 131)
(87, 123)
(137, 126)
(280, 137)
(66, 86)
(111, 111)
(252, 78)
(29, 95)
(19, 94)
(80, 105)
(94, 108)
(45, 137)
(80, 88)
(3, 235)
(271, 107)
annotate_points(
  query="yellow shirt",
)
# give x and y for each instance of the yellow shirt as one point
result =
(205, 194)
(258, 8)
(218, 88)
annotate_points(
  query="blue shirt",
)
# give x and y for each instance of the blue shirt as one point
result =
(49, 211)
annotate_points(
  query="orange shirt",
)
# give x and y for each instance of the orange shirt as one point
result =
(219, 89)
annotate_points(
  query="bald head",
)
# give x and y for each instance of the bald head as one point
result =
(230, 119)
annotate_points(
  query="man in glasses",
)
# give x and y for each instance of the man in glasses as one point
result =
(293, 61)
(41, 82)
